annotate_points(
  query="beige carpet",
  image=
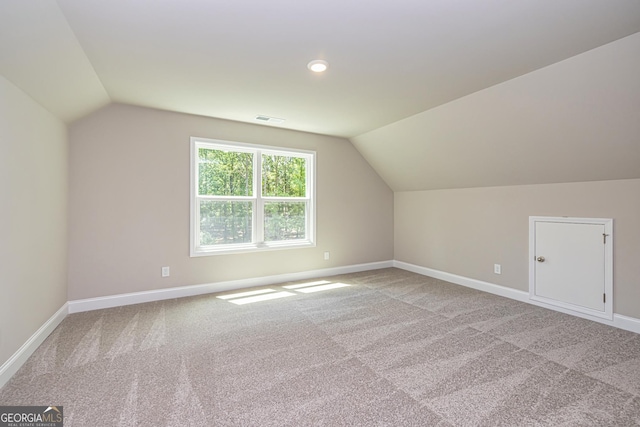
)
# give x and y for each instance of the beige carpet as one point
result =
(392, 349)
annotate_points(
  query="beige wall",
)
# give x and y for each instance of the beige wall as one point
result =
(129, 204)
(574, 121)
(33, 217)
(466, 231)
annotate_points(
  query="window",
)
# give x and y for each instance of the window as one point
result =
(249, 197)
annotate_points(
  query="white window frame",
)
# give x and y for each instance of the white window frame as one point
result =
(258, 243)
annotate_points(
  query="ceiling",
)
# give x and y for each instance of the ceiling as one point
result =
(236, 59)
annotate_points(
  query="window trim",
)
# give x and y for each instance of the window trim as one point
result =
(257, 199)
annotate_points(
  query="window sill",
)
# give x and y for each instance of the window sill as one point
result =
(256, 247)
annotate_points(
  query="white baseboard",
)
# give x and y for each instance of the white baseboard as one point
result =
(11, 366)
(619, 321)
(491, 288)
(98, 303)
(627, 323)
(15, 362)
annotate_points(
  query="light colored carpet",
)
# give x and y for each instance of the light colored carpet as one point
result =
(392, 349)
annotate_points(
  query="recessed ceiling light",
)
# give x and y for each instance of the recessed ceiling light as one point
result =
(318, 65)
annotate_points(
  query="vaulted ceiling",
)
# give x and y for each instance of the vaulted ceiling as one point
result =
(242, 58)
(236, 59)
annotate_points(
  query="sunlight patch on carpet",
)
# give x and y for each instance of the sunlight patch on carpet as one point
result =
(258, 298)
(322, 288)
(304, 285)
(246, 294)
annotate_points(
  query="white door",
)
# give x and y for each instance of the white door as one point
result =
(570, 265)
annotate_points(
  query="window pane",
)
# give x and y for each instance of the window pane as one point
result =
(224, 222)
(284, 221)
(224, 173)
(283, 176)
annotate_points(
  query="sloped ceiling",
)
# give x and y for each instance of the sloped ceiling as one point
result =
(41, 55)
(573, 121)
(389, 61)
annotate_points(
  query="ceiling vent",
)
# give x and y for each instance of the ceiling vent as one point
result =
(268, 119)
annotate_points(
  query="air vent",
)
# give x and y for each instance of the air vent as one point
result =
(268, 119)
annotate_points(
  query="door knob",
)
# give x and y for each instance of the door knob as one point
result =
(540, 259)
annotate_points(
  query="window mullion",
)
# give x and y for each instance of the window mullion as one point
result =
(227, 198)
(258, 216)
(285, 199)
(310, 196)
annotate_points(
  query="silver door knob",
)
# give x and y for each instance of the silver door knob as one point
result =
(540, 259)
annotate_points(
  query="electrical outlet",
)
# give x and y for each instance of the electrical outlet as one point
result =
(326, 256)
(497, 269)
(165, 272)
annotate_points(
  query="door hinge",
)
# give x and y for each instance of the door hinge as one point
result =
(604, 297)
(604, 238)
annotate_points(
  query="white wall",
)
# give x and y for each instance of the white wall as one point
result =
(129, 204)
(33, 217)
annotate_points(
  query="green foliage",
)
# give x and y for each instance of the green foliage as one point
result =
(284, 221)
(223, 222)
(224, 173)
(230, 173)
(283, 176)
